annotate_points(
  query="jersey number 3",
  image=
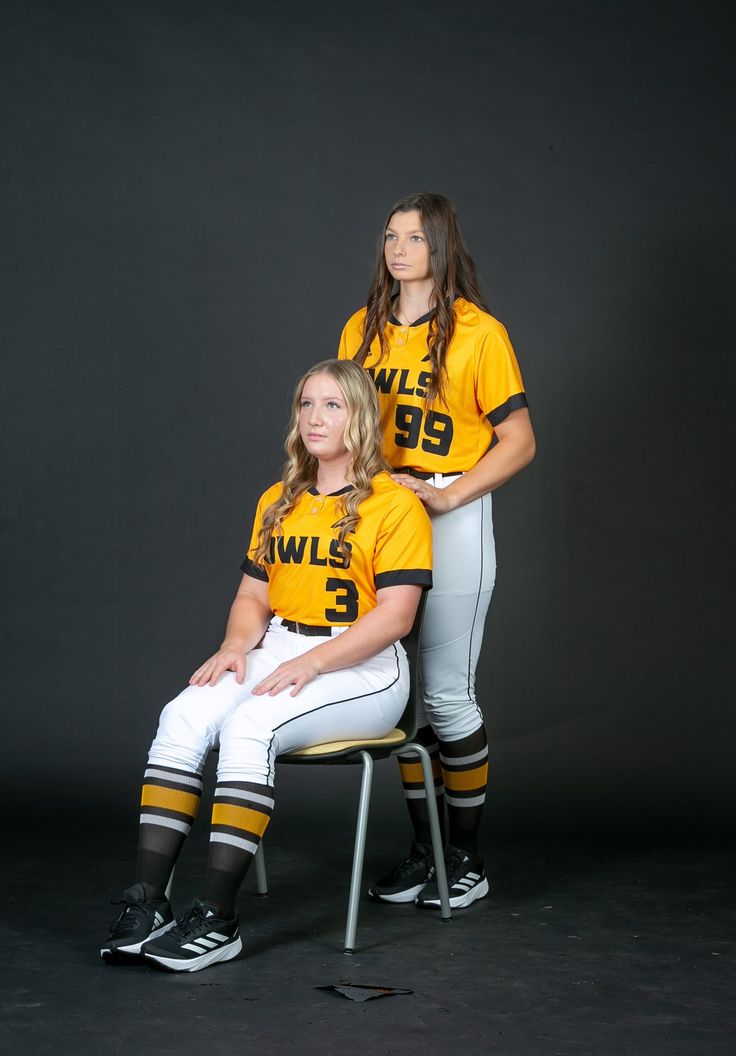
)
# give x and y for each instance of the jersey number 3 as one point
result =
(437, 429)
(346, 601)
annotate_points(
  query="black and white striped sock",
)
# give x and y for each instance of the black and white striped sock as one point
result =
(169, 803)
(240, 815)
(465, 773)
(413, 781)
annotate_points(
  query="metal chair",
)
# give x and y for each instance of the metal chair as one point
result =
(365, 752)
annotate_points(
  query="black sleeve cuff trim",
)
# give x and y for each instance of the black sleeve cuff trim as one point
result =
(252, 569)
(421, 577)
(513, 403)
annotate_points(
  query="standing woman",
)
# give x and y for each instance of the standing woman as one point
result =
(338, 558)
(455, 427)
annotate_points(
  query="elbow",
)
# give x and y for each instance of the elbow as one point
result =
(404, 627)
(400, 624)
(526, 447)
(405, 619)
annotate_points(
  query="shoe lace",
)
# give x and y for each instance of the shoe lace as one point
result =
(134, 911)
(192, 921)
(409, 865)
(456, 864)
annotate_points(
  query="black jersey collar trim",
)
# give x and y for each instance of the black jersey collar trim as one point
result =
(331, 494)
(417, 322)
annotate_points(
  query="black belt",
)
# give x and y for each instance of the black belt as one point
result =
(306, 628)
(421, 475)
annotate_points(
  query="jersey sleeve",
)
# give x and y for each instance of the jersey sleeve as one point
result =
(403, 552)
(352, 336)
(342, 348)
(249, 566)
(499, 387)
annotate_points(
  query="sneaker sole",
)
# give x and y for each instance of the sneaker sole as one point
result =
(195, 964)
(409, 895)
(110, 953)
(460, 901)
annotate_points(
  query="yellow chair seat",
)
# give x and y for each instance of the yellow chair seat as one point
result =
(394, 736)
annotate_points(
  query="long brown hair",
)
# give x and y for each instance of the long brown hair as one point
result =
(363, 441)
(453, 274)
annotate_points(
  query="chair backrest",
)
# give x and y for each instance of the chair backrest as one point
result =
(408, 721)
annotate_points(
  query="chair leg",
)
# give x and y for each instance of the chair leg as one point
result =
(260, 867)
(359, 852)
(434, 828)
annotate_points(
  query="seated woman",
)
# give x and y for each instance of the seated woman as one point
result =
(338, 558)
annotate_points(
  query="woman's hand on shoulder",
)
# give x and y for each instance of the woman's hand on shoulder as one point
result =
(229, 657)
(435, 499)
(297, 673)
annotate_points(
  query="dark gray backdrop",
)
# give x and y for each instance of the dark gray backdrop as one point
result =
(191, 194)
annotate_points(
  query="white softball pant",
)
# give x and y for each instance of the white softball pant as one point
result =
(251, 731)
(463, 574)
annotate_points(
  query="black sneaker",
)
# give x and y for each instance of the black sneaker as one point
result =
(137, 921)
(466, 880)
(198, 939)
(405, 882)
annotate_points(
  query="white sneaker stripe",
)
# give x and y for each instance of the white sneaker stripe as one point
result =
(201, 945)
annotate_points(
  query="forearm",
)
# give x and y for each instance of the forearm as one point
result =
(370, 635)
(497, 466)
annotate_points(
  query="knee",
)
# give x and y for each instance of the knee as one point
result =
(248, 748)
(453, 720)
(184, 737)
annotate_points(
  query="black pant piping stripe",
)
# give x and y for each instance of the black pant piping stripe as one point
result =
(332, 703)
(475, 614)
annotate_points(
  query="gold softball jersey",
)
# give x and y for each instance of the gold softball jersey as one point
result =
(483, 386)
(306, 575)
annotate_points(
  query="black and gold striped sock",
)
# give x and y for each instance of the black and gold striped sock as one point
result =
(465, 773)
(413, 781)
(240, 815)
(169, 804)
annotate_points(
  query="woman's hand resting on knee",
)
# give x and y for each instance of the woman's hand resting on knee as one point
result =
(229, 657)
(297, 673)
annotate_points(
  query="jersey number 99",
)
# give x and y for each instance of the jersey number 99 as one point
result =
(411, 422)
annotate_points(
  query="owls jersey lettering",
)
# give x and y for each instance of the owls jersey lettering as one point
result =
(483, 386)
(306, 574)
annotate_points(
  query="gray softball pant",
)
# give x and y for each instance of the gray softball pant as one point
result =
(463, 574)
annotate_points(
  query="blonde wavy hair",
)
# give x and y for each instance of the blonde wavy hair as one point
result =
(362, 439)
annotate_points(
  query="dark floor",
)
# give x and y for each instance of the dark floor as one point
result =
(581, 948)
